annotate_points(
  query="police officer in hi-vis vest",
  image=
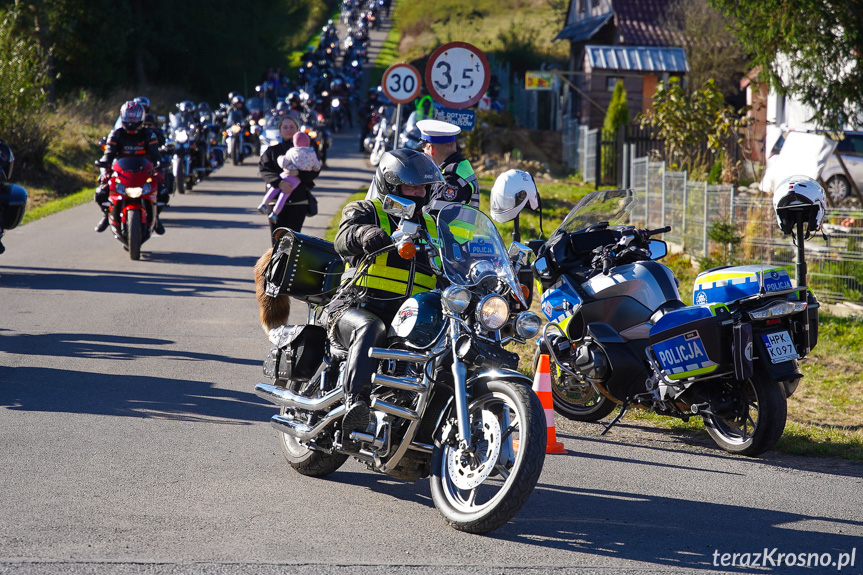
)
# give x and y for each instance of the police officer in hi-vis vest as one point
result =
(357, 320)
(460, 183)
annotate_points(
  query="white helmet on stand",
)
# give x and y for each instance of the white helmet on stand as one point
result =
(511, 191)
(799, 194)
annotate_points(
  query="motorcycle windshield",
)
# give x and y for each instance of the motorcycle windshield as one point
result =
(132, 165)
(472, 249)
(612, 206)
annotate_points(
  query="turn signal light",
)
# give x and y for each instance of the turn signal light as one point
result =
(407, 250)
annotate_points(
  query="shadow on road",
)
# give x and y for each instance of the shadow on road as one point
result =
(63, 391)
(142, 284)
(686, 533)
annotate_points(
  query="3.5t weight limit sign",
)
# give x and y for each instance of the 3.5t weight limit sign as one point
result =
(401, 83)
(457, 75)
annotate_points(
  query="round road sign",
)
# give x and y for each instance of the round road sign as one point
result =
(457, 75)
(401, 83)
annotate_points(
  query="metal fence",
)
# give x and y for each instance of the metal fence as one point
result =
(669, 198)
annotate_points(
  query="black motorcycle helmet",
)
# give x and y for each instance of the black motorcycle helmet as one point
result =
(186, 106)
(238, 101)
(405, 166)
(7, 161)
(131, 115)
(293, 99)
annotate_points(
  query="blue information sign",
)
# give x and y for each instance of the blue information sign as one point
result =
(464, 119)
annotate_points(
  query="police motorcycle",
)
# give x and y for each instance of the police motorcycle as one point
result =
(13, 198)
(446, 400)
(618, 333)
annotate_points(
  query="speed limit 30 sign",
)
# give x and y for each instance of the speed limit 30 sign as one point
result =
(401, 83)
(457, 75)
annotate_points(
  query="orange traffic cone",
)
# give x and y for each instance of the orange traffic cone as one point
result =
(542, 387)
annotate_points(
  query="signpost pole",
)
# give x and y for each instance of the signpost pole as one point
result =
(397, 126)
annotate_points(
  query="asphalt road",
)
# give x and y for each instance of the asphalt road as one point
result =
(131, 440)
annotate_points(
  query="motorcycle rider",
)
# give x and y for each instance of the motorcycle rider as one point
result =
(143, 100)
(7, 159)
(357, 320)
(364, 113)
(461, 181)
(129, 140)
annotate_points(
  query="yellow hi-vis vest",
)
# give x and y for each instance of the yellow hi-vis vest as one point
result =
(396, 280)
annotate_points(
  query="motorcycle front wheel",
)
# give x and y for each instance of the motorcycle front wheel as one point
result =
(133, 233)
(479, 491)
(755, 421)
(180, 176)
(573, 399)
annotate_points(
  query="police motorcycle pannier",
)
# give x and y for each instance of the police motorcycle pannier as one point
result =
(303, 267)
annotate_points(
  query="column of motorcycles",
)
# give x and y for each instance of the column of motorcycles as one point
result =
(191, 148)
(447, 401)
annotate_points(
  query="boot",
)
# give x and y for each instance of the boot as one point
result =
(103, 224)
(2, 248)
(159, 228)
(273, 217)
(263, 209)
(356, 418)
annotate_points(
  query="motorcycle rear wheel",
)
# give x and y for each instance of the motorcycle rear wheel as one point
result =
(480, 491)
(759, 418)
(586, 404)
(133, 233)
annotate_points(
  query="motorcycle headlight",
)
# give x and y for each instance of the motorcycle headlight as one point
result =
(336, 103)
(134, 192)
(313, 134)
(236, 128)
(182, 137)
(456, 298)
(527, 324)
(492, 312)
(778, 310)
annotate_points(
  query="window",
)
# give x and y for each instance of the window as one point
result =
(610, 83)
(581, 6)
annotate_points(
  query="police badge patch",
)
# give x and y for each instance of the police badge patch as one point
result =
(450, 194)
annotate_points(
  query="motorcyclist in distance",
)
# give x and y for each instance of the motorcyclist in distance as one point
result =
(358, 317)
(131, 139)
(364, 113)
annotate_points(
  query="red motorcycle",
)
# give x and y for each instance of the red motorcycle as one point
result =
(133, 188)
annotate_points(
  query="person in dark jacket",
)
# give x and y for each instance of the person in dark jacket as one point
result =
(296, 208)
(132, 139)
(358, 316)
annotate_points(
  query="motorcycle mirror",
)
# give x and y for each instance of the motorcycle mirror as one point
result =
(519, 254)
(658, 249)
(399, 207)
(540, 266)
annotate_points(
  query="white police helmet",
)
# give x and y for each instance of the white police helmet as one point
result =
(799, 194)
(511, 191)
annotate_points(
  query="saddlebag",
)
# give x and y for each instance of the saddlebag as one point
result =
(303, 267)
(297, 353)
(693, 341)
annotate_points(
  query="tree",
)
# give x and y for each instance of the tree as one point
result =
(823, 39)
(686, 121)
(24, 80)
(711, 49)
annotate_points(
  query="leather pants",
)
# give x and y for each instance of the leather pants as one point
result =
(358, 330)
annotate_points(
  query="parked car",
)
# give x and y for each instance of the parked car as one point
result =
(850, 148)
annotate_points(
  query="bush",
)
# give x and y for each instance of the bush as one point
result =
(24, 79)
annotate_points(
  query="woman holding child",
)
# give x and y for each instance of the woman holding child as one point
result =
(294, 186)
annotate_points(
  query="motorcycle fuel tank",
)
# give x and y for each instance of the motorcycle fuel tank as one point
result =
(649, 283)
(419, 319)
(728, 284)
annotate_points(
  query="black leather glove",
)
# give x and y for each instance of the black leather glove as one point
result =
(374, 239)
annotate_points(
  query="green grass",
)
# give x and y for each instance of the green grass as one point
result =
(55, 206)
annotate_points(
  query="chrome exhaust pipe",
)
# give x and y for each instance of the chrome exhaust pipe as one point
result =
(282, 397)
(302, 430)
